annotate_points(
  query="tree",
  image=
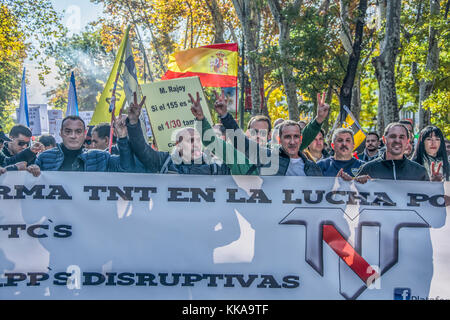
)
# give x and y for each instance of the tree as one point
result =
(40, 25)
(432, 64)
(12, 55)
(345, 95)
(283, 18)
(27, 27)
(319, 59)
(90, 59)
(414, 60)
(249, 13)
(174, 25)
(385, 64)
(217, 19)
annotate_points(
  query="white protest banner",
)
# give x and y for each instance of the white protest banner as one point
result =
(169, 107)
(67, 235)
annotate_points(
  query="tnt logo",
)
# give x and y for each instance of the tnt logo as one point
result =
(402, 294)
(328, 225)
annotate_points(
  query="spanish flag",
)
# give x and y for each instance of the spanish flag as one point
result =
(216, 65)
(350, 122)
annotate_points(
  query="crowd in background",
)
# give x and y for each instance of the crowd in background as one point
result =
(297, 148)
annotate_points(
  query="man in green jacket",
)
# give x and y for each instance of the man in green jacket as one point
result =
(285, 159)
(235, 160)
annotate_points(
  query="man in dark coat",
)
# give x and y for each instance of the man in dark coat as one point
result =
(71, 156)
(393, 164)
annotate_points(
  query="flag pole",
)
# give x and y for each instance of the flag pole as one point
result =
(236, 90)
(112, 109)
(141, 46)
(22, 117)
(242, 76)
(112, 105)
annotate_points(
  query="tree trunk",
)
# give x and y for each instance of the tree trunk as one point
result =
(250, 18)
(385, 64)
(217, 20)
(381, 8)
(345, 33)
(328, 98)
(355, 106)
(380, 121)
(154, 40)
(346, 92)
(381, 18)
(432, 64)
(290, 88)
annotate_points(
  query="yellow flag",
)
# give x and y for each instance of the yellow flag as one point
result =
(101, 112)
(350, 122)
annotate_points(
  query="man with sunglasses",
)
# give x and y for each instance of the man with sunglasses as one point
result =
(20, 136)
(17, 148)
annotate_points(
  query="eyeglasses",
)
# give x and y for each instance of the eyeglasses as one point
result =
(23, 143)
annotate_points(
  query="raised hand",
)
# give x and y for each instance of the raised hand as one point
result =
(221, 104)
(134, 110)
(37, 147)
(120, 126)
(196, 107)
(322, 108)
(435, 174)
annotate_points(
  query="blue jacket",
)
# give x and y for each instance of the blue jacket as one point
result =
(91, 160)
(330, 166)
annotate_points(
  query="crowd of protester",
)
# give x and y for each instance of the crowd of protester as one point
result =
(287, 148)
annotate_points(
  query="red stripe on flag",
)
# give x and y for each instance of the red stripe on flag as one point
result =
(207, 79)
(349, 255)
(223, 46)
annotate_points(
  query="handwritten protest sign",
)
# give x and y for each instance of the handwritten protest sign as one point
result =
(169, 107)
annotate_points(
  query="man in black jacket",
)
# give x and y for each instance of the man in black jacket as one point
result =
(393, 164)
(17, 149)
(186, 158)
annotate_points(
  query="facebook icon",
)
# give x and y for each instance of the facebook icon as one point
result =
(402, 294)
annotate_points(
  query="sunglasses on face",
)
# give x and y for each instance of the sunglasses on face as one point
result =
(23, 143)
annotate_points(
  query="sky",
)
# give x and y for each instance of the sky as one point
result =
(77, 14)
